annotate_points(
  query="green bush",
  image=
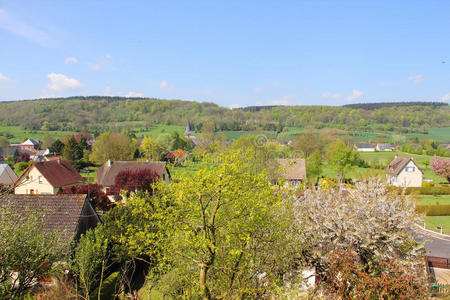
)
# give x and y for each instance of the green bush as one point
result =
(438, 189)
(434, 210)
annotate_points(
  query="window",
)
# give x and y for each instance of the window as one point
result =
(31, 192)
(410, 169)
(40, 179)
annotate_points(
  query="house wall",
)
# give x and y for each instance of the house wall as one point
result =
(408, 179)
(25, 185)
(365, 149)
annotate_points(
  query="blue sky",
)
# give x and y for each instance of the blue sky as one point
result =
(233, 53)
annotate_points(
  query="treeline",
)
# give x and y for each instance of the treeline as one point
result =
(100, 114)
(372, 106)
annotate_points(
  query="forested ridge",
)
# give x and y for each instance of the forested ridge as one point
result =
(99, 112)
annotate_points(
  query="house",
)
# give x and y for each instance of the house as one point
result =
(40, 155)
(293, 170)
(190, 134)
(365, 147)
(47, 177)
(404, 172)
(385, 147)
(30, 145)
(72, 215)
(7, 175)
(445, 145)
(107, 173)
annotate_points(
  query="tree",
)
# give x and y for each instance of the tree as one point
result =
(441, 166)
(72, 150)
(228, 232)
(368, 220)
(341, 157)
(314, 165)
(26, 248)
(179, 142)
(4, 146)
(114, 146)
(94, 192)
(23, 157)
(48, 141)
(307, 142)
(134, 181)
(57, 147)
(150, 149)
(89, 260)
(347, 278)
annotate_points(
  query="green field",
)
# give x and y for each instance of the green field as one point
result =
(20, 135)
(433, 222)
(155, 130)
(433, 200)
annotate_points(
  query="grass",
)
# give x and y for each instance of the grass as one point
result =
(433, 222)
(155, 130)
(433, 200)
(233, 135)
(20, 135)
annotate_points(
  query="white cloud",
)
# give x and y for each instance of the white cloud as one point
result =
(329, 95)
(286, 100)
(11, 24)
(70, 59)
(446, 97)
(258, 90)
(61, 82)
(132, 94)
(164, 85)
(3, 78)
(356, 94)
(419, 78)
(103, 63)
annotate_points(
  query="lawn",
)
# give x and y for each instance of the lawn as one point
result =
(155, 130)
(20, 135)
(433, 222)
(433, 200)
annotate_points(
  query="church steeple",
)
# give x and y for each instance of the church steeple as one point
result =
(188, 131)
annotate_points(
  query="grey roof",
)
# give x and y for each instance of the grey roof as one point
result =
(397, 165)
(385, 146)
(189, 131)
(7, 175)
(364, 145)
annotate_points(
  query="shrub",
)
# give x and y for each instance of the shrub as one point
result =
(434, 210)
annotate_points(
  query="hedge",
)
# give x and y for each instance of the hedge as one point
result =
(434, 210)
(425, 190)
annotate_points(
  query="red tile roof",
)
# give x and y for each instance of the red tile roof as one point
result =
(58, 172)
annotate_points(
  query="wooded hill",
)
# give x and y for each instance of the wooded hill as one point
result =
(100, 113)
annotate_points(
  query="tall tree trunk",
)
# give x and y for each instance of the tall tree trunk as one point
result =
(203, 282)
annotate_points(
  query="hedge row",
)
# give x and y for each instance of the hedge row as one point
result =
(434, 210)
(425, 190)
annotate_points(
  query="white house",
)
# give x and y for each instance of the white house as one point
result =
(404, 172)
(7, 175)
(47, 178)
(385, 147)
(365, 147)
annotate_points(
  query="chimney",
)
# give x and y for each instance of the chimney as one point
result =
(59, 161)
(396, 156)
(109, 163)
